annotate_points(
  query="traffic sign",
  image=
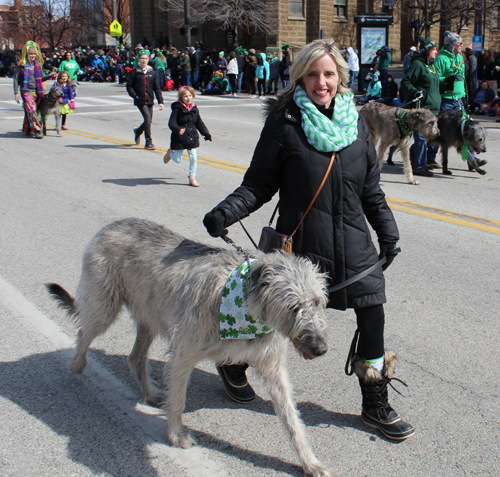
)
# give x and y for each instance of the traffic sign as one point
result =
(477, 43)
(115, 29)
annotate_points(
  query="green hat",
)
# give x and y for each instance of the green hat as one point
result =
(426, 44)
(232, 54)
(285, 47)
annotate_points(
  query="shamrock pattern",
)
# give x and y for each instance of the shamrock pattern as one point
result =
(235, 321)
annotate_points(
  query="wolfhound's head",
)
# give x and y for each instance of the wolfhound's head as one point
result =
(475, 135)
(55, 93)
(425, 122)
(289, 294)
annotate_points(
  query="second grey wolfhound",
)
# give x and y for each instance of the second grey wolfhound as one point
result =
(173, 287)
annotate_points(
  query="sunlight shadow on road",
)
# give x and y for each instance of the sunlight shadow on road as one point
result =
(144, 182)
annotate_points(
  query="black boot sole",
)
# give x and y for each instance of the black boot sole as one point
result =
(242, 394)
(390, 430)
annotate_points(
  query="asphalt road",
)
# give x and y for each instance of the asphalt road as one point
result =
(442, 311)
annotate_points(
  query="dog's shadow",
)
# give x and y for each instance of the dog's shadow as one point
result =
(206, 391)
(13, 135)
(145, 181)
(47, 392)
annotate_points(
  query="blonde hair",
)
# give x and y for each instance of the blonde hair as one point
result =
(183, 90)
(308, 55)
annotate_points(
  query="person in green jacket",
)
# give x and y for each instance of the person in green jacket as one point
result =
(383, 63)
(160, 65)
(422, 79)
(451, 68)
(71, 66)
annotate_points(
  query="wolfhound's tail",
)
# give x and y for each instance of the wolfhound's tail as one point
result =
(65, 300)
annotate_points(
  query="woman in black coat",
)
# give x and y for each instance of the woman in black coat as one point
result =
(185, 122)
(315, 116)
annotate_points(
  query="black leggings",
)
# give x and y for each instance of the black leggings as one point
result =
(370, 322)
(145, 127)
(261, 84)
(232, 82)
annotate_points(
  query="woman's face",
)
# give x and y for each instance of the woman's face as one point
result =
(321, 81)
(187, 99)
(32, 57)
(143, 61)
(433, 52)
(68, 56)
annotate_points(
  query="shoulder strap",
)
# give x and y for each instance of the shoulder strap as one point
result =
(312, 201)
(317, 193)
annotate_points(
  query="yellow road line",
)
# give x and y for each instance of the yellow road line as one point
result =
(435, 213)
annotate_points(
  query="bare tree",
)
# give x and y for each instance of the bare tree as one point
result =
(260, 15)
(45, 21)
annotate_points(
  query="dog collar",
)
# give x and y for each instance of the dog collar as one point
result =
(235, 320)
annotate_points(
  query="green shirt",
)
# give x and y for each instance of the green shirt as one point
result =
(160, 64)
(71, 67)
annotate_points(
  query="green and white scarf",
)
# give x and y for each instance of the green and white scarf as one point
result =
(323, 133)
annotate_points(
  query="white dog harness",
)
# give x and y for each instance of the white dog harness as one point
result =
(235, 321)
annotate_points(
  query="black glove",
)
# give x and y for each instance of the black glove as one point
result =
(450, 81)
(208, 137)
(389, 251)
(214, 223)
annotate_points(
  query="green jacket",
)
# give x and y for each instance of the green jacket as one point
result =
(422, 77)
(383, 62)
(449, 64)
(185, 63)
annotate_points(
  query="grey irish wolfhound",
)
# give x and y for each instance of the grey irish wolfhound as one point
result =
(386, 131)
(50, 105)
(453, 134)
(173, 287)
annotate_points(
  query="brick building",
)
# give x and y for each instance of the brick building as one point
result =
(302, 21)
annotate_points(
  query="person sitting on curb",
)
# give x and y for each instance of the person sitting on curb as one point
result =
(482, 97)
(389, 91)
(374, 90)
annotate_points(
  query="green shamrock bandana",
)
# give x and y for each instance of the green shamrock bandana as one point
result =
(327, 135)
(235, 321)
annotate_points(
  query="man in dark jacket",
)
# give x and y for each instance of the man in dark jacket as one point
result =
(389, 91)
(195, 68)
(143, 85)
(482, 97)
(422, 80)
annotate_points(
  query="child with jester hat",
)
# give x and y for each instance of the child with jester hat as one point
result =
(28, 77)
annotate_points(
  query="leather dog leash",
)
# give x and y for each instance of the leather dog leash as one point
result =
(360, 275)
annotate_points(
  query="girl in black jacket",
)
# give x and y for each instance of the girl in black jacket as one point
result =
(143, 85)
(314, 118)
(185, 122)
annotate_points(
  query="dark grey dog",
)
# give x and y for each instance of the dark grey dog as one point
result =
(174, 287)
(50, 105)
(453, 134)
(390, 126)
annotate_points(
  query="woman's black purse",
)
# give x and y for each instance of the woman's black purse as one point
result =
(271, 239)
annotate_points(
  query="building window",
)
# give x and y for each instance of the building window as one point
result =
(296, 8)
(340, 8)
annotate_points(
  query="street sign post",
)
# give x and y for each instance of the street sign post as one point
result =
(477, 43)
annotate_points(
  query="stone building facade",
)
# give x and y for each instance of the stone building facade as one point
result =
(299, 22)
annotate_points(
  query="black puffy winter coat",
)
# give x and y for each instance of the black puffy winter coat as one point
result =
(144, 87)
(335, 233)
(180, 118)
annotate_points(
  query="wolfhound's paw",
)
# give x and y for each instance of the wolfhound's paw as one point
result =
(154, 399)
(59, 135)
(77, 365)
(414, 182)
(182, 439)
(319, 471)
